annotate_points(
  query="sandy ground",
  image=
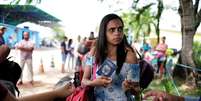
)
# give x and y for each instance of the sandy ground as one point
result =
(51, 60)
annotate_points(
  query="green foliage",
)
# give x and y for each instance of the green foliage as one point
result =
(158, 85)
(168, 86)
(197, 53)
(139, 21)
(143, 20)
(27, 2)
(60, 33)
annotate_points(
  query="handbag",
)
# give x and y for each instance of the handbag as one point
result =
(146, 72)
(83, 93)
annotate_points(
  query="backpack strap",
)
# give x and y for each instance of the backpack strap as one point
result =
(138, 53)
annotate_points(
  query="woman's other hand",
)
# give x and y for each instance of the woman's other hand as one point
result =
(133, 87)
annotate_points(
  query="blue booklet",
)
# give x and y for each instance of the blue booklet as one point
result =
(107, 68)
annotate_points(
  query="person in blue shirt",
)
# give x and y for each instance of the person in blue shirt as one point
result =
(2, 31)
(63, 53)
(145, 47)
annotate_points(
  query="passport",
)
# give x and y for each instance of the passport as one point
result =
(107, 68)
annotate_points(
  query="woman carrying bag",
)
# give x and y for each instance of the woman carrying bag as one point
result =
(116, 62)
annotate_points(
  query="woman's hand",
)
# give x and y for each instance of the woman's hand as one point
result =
(65, 90)
(102, 81)
(133, 87)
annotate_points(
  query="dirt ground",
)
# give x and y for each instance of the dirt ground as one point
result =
(50, 58)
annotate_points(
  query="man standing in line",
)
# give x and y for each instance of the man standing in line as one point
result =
(63, 54)
(26, 47)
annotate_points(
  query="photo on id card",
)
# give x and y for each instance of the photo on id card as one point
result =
(107, 68)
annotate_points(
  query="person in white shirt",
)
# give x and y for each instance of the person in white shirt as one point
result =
(70, 55)
(26, 47)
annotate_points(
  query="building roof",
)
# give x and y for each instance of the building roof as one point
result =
(16, 14)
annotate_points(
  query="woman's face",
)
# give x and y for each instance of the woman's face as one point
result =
(114, 32)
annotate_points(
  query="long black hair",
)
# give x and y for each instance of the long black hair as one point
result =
(70, 42)
(101, 45)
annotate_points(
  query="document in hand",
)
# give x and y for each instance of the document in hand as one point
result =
(107, 68)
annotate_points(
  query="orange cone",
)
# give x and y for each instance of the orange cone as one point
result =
(41, 68)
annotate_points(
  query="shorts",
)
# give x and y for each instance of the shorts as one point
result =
(63, 57)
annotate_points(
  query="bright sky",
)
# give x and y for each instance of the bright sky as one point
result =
(83, 16)
(79, 16)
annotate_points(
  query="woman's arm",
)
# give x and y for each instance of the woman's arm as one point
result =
(86, 80)
(101, 81)
(50, 95)
(45, 96)
(86, 76)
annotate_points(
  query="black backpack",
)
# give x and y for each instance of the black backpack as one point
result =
(10, 73)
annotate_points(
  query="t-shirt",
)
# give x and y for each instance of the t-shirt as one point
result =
(146, 47)
(25, 44)
(162, 47)
(3, 92)
(70, 49)
(63, 44)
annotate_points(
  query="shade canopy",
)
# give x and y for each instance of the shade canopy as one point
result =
(16, 14)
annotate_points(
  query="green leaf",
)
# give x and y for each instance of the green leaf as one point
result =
(29, 2)
(17, 2)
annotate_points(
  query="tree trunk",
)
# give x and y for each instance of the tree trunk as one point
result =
(188, 30)
(186, 51)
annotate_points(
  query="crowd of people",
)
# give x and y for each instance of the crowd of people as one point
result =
(110, 65)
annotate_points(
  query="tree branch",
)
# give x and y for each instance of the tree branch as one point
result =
(198, 19)
(196, 6)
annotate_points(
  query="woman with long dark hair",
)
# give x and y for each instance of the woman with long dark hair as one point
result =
(111, 60)
(70, 54)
